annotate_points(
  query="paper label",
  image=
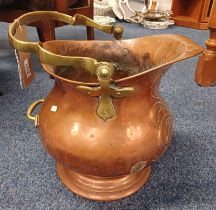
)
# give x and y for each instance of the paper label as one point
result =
(18, 68)
(24, 60)
(54, 108)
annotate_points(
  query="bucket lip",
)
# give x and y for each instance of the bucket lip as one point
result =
(193, 50)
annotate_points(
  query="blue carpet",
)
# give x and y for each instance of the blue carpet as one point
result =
(184, 178)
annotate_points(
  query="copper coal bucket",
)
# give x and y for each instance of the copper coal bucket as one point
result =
(104, 121)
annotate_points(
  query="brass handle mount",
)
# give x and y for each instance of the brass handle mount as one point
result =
(106, 91)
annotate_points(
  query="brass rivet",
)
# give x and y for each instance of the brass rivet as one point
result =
(125, 51)
(118, 93)
(104, 72)
(138, 167)
(105, 112)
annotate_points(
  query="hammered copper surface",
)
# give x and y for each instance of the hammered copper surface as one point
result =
(88, 148)
(104, 121)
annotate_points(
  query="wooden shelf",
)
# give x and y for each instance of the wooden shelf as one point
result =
(189, 22)
(192, 13)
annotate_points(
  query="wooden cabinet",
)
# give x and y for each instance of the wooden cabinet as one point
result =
(192, 13)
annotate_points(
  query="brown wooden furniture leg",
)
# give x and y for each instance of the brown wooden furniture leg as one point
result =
(87, 11)
(90, 33)
(206, 68)
(46, 31)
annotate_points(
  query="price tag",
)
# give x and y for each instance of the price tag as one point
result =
(24, 60)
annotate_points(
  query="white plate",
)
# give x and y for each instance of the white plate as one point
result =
(104, 20)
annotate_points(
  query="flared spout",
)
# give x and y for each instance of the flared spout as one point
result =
(165, 49)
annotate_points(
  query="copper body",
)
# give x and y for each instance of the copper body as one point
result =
(109, 160)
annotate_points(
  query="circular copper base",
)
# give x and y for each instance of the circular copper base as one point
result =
(101, 188)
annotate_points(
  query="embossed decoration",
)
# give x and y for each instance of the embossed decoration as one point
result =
(160, 116)
(138, 167)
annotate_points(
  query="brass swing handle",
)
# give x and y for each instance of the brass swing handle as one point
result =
(50, 58)
(106, 91)
(78, 19)
(31, 109)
